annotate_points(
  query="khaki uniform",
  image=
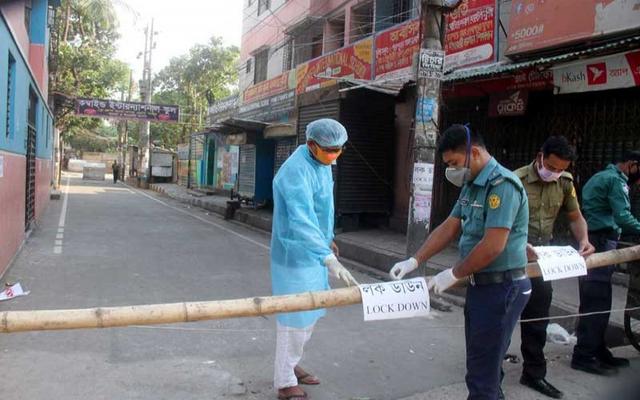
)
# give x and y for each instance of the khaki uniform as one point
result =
(546, 200)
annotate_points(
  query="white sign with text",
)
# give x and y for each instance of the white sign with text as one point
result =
(392, 300)
(560, 262)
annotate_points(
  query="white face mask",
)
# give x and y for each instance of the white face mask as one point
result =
(546, 175)
(458, 175)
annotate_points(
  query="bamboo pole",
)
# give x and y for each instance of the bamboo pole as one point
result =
(108, 317)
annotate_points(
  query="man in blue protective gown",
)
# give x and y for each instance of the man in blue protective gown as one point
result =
(303, 253)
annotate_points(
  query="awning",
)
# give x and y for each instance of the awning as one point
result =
(279, 131)
(391, 86)
(235, 130)
(507, 66)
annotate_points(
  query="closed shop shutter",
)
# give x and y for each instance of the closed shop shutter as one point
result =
(365, 170)
(310, 113)
(247, 171)
(284, 148)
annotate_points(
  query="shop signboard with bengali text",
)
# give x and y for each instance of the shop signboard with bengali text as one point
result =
(270, 87)
(396, 49)
(129, 110)
(539, 24)
(349, 62)
(470, 37)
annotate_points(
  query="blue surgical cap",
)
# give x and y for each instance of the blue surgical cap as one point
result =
(327, 132)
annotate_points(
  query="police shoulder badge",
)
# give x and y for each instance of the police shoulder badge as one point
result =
(494, 201)
(573, 191)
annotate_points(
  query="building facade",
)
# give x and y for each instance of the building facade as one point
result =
(518, 71)
(26, 128)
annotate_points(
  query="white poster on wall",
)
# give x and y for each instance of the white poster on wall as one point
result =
(1, 166)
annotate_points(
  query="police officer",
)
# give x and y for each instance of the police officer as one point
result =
(492, 212)
(549, 189)
(606, 207)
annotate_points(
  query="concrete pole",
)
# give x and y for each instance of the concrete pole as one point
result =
(425, 131)
(144, 142)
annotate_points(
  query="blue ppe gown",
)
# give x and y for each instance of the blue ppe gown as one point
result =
(302, 231)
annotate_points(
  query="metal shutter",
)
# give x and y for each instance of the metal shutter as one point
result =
(247, 170)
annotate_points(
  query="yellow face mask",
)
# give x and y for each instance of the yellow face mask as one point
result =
(325, 156)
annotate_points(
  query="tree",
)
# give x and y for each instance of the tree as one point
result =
(207, 71)
(82, 60)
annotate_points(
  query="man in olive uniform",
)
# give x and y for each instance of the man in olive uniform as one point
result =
(549, 189)
(605, 203)
(492, 212)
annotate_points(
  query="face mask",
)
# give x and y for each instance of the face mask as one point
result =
(324, 157)
(546, 175)
(458, 175)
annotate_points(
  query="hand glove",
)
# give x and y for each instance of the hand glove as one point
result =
(442, 281)
(337, 270)
(402, 268)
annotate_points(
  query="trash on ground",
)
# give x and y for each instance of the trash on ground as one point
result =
(557, 334)
(12, 291)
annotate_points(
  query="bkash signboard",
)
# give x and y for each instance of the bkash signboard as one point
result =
(617, 71)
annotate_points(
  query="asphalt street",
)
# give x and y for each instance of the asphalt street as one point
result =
(112, 245)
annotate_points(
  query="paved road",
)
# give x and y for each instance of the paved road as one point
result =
(121, 246)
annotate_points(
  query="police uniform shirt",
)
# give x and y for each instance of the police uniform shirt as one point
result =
(605, 202)
(546, 199)
(495, 199)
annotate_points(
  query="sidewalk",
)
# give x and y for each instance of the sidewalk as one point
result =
(380, 249)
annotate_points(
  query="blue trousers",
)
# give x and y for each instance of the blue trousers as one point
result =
(491, 313)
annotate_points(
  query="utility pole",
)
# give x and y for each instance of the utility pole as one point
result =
(125, 132)
(425, 127)
(145, 88)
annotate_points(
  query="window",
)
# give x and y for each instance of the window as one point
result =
(47, 129)
(11, 94)
(32, 114)
(263, 5)
(402, 10)
(248, 67)
(361, 22)
(27, 15)
(287, 55)
(260, 72)
(335, 34)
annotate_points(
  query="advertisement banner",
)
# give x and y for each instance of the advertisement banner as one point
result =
(508, 104)
(540, 24)
(274, 108)
(530, 79)
(395, 50)
(99, 108)
(350, 62)
(470, 38)
(271, 87)
(611, 72)
(222, 109)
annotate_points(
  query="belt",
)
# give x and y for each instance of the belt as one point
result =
(488, 278)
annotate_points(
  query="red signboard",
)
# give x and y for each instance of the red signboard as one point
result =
(353, 61)
(470, 35)
(528, 79)
(396, 48)
(268, 88)
(540, 24)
